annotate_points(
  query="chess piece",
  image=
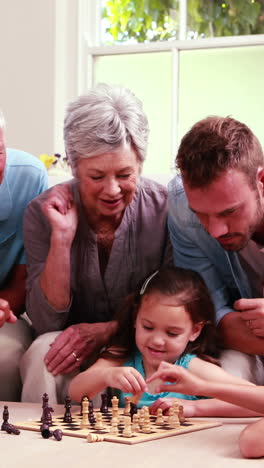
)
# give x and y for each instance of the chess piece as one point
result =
(133, 409)
(141, 416)
(67, 415)
(45, 431)
(91, 416)
(85, 412)
(47, 418)
(85, 396)
(127, 432)
(104, 407)
(181, 414)
(160, 419)
(45, 403)
(58, 434)
(173, 419)
(114, 428)
(95, 438)
(5, 418)
(99, 421)
(135, 423)
(146, 421)
(11, 429)
(115, 411)
(127, 406)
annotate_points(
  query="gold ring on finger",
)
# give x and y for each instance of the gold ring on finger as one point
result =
(75, 356)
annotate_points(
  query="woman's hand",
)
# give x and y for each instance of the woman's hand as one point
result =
(61, 212)
(75, 344)
(182, 380)
(127, 379)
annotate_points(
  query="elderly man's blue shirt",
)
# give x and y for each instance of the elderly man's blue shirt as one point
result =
(25, 177)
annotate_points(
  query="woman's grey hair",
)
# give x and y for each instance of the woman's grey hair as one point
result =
(107, 118)
(2, 121)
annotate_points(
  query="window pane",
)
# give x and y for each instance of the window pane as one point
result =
(222, 82)
(149, 77)
(130, 21)
(126, 21)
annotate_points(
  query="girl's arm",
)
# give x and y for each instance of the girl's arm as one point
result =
(106, 373)
(91, 381)
(191, 383)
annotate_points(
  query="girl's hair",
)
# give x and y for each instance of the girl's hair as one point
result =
(190, 291)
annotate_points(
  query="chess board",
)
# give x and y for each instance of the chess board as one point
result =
(74, 429)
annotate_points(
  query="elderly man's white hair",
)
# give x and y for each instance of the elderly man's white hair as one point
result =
(2, 121)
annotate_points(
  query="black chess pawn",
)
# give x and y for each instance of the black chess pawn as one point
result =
(133, 409)
(91, 416)
(11, 429)
(45, 431)
(5, 418)
(104, 407)
(67, 415)
(57, 434)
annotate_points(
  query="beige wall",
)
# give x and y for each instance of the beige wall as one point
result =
(37, 70)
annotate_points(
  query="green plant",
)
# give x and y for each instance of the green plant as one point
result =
(156, 20)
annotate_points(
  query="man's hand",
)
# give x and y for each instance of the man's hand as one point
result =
(6, 314)
(252, 314)
(61, 211)
(75, 344)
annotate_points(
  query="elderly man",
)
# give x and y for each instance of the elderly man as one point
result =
(217, 228)
(22, 177)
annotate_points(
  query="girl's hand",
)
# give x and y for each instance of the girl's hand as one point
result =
(182, 380)
(164, 403)
(127, 379)
(189, 406)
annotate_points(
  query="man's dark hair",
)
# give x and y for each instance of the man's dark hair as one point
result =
(214, 145)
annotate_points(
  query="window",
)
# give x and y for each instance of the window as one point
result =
(179, 81)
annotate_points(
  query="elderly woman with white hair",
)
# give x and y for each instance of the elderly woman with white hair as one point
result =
(91, 241)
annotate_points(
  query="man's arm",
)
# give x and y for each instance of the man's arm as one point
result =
(14, 291)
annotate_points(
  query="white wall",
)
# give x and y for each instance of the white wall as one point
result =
(38, 56)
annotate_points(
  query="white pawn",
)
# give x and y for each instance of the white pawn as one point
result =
(135, 423)
(99, 421)
(160, 418)
(173, 419)
(114, 428)
(127, 432)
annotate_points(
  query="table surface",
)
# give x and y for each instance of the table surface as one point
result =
(216, 447)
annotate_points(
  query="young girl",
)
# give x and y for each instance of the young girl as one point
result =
(172, 320)
(251, 438)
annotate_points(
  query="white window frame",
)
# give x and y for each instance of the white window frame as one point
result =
(89, 48)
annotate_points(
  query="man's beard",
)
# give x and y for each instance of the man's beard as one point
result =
(252, 228)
